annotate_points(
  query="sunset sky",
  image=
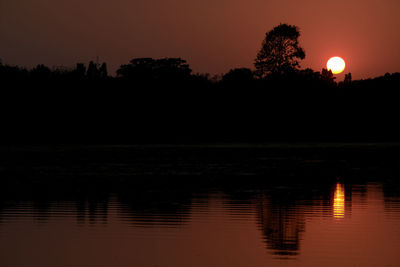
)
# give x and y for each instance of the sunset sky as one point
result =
(212, 35)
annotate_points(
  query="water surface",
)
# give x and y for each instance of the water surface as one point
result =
(151, 207)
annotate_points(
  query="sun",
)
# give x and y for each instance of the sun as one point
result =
(336, 65)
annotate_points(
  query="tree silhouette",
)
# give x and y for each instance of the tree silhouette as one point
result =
(92, 71)
(103, 70)
(238, 76)
(138, 68)
(80, 70)
(327, 77)
(146, 69)
(347, 78)
(172, 68)
(280, 51)
(40, 72)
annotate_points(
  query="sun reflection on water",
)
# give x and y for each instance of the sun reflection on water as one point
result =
(338, 202)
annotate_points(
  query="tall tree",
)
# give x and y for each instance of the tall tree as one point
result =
(327, 77)
(103, 70)
(347, 78)
(280, 51)
(80, 70)
(92, 71)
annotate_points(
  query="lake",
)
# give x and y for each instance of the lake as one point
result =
(200, 205)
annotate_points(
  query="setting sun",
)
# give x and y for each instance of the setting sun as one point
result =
(336, 65)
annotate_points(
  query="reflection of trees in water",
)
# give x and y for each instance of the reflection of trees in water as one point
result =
(156, 208)
(145, 209)
(282, 215)
(392, 188)
(92, 210)
(282, 225)
(391, 191)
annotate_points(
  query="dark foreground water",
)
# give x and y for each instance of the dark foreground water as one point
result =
(239, 205)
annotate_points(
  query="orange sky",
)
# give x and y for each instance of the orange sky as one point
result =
(212, 35)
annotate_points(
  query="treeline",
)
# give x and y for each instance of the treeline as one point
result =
(162, 100)
(176, 72)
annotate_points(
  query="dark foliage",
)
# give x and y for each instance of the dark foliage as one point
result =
(280, 51)
(242, 76)
(161, 101)
(155, 70)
